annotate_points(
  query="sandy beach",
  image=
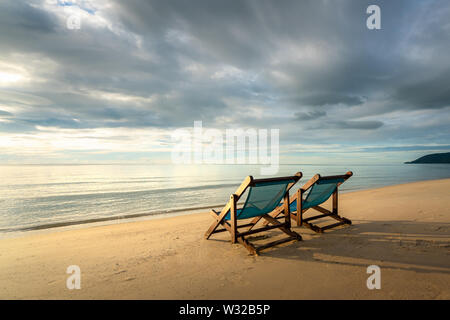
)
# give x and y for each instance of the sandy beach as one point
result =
(404, 229)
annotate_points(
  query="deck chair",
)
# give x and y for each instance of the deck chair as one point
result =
(320, 190)
(264, 195)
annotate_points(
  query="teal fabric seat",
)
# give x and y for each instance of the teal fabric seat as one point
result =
(262, 198)
(319, 193)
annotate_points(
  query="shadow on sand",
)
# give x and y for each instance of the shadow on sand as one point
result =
(415, 246)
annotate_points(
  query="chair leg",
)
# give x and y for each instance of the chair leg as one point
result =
(219, 219)
(233, 219)
(212, 229)
(213, 226)
(335, 209)
(299, 207)
(313, 227)
(251, 248)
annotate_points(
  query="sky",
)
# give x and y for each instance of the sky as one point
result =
(116, 88)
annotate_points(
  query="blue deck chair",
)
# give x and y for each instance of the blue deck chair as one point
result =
(315, 192)
(263, 196)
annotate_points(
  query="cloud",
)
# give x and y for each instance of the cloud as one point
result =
(329, 98)
(305, 116)
(5, 113)
(362, 125)
(19, 15)
(426, 93)
(165, 64)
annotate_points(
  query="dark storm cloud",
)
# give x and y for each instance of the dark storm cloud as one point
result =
(20, 15)
(426, 93)
(329, 98)
(305, 116)
(363, 125)
(165, 64)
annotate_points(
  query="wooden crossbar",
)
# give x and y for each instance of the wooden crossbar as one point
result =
(317, 217)
(249, 232)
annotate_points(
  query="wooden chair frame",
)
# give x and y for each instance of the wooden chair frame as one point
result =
(271, 223)
(298, 196)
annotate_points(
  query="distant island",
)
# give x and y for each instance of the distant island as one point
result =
(433, 158)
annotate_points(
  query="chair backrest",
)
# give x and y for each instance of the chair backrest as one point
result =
(321, 191)
(264, 195)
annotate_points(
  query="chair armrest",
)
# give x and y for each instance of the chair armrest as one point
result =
(310, 183)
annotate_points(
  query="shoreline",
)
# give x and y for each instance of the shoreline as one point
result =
(105, 221)
(6, 233)
(403, 229)
(112, 219)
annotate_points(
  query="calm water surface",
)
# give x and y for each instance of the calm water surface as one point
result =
(34, 195)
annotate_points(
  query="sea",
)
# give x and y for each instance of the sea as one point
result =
(36, 197)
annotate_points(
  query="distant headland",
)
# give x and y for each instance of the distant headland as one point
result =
(433, 158)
